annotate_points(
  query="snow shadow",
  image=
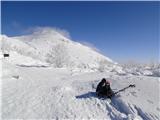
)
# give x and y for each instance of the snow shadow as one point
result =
(32, 66)
(87, 95)
(144, 115)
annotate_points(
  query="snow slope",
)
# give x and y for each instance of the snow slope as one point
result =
(49, 93)
(32, 89)
(10, 44)
(21, 60)
(39, 44)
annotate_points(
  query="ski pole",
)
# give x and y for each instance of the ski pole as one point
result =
(125, 88)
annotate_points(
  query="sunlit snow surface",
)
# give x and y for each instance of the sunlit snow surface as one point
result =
(33, 89)
(49, 93)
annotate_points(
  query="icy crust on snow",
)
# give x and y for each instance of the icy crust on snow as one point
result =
(49, 93)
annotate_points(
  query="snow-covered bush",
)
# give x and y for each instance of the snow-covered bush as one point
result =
(156, 73)
(118, 70)
(150, 69)
(58, 56)
(104, 65)
(4, 46)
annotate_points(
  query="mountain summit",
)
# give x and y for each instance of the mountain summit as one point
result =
(54, 46)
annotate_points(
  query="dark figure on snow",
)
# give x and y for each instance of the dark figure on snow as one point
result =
(104, 89)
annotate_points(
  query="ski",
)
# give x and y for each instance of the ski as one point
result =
(130, 86)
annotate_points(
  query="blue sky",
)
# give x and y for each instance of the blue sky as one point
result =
(120, 30)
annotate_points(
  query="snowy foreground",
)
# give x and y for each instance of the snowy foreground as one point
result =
(49, 93)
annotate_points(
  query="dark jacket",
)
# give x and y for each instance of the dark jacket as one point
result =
(104, 89)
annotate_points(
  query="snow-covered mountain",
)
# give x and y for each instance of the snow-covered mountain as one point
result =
(47, 45)
(31, 90)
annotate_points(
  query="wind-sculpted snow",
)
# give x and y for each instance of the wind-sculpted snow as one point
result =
(50, 45)
(49, 93)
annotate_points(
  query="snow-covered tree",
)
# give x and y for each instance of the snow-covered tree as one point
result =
(58, 56)
(5, 46)
(103, 65)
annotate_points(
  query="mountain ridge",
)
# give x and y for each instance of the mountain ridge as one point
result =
(41, 42)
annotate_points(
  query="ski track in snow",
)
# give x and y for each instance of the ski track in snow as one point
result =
(46, 93)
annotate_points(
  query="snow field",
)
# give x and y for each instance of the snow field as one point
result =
(49, 93)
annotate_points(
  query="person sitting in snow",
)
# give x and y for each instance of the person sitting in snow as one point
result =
(104, 89)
